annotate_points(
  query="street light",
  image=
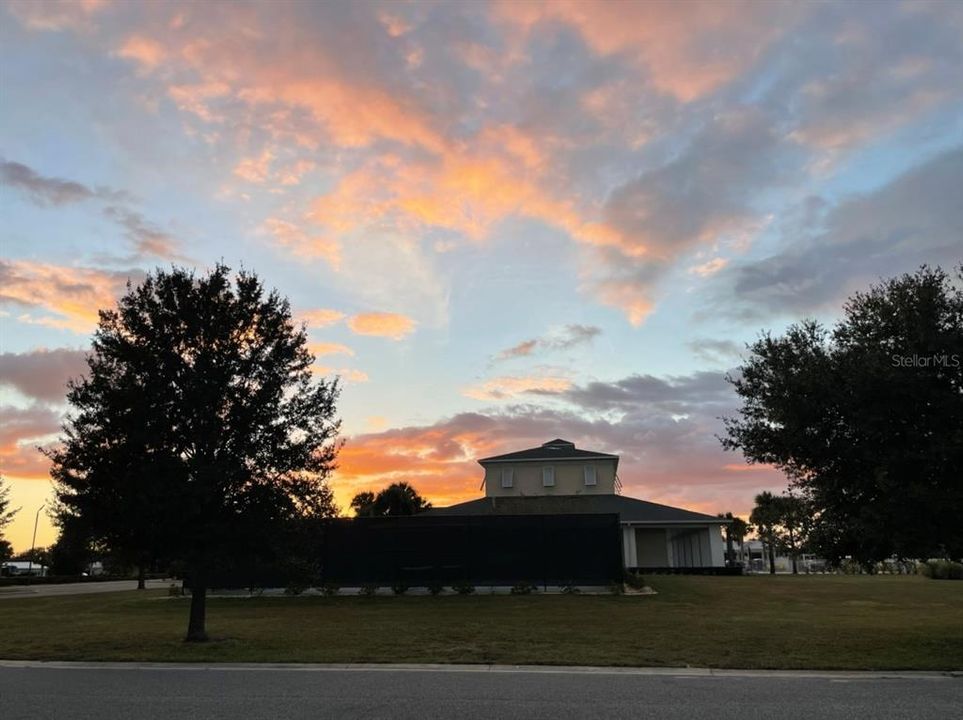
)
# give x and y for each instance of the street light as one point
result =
(33, 543)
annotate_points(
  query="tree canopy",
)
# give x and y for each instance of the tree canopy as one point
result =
(866, 419)
(199, 427)
(396, 499)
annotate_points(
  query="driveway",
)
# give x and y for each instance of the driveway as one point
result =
(202, 692)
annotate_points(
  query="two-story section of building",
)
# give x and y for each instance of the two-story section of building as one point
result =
(555, 468)
(559, 478)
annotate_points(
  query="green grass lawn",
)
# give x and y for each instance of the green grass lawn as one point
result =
(826, 622)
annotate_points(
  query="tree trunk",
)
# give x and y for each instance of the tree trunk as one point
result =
(141, 577)
(792, 545)
(729, 552)
(772, 558)
(196, 631)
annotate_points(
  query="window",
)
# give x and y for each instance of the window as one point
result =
(548, 476)
(508, 477)
(590, 477)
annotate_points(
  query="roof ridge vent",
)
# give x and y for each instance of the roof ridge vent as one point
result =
(558, 444)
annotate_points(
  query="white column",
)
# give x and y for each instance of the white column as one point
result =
(629, 552)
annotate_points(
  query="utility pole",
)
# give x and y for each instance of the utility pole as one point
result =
(33, 542)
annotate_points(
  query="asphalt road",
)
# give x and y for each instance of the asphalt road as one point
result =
(81, 588)
(203, 692)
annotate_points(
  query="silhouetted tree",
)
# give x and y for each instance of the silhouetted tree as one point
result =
(363, 504)
(6, 514)
(794, 522)
(736, 531)
(72, 553)
(396, 499)
(765, 517)
(199, 429)
(867, 420)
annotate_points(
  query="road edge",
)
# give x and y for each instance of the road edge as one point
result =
(678, 672)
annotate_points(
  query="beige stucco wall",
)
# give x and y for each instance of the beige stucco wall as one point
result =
(702, 547)
(651, 547)
(569, 478)
(676, 546)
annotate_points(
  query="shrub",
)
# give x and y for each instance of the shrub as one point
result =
(617, 589)
(570, 589)
(399, 588)
(463, 588)
(330, 589)
(436, 589)
(175, 590)
(634, 580)
(368, 590)
(524, 588)
(941, 570)
(295, 588)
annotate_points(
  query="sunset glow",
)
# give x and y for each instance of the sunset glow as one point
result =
(500, 222)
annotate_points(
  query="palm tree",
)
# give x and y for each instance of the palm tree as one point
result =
(736, 531)
(794, 517)
(765, 517)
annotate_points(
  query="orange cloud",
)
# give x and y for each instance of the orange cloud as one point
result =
(289, 235)
(689, 49)
(321, 317)
(469, 189)
(633, 298)
(143, 50)
(255, 169)
(329, 348)
(744, 467)
(350, 375)
(439, 462)
(21, 431)
(197, 98)
(381, 324)
(710, 267)
(72, 296)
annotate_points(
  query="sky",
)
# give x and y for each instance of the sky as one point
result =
(502, 222)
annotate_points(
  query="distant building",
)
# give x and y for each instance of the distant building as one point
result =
(559, 478)
(754, 557)
(11, 568)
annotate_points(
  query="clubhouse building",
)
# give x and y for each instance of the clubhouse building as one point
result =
(558, 478)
